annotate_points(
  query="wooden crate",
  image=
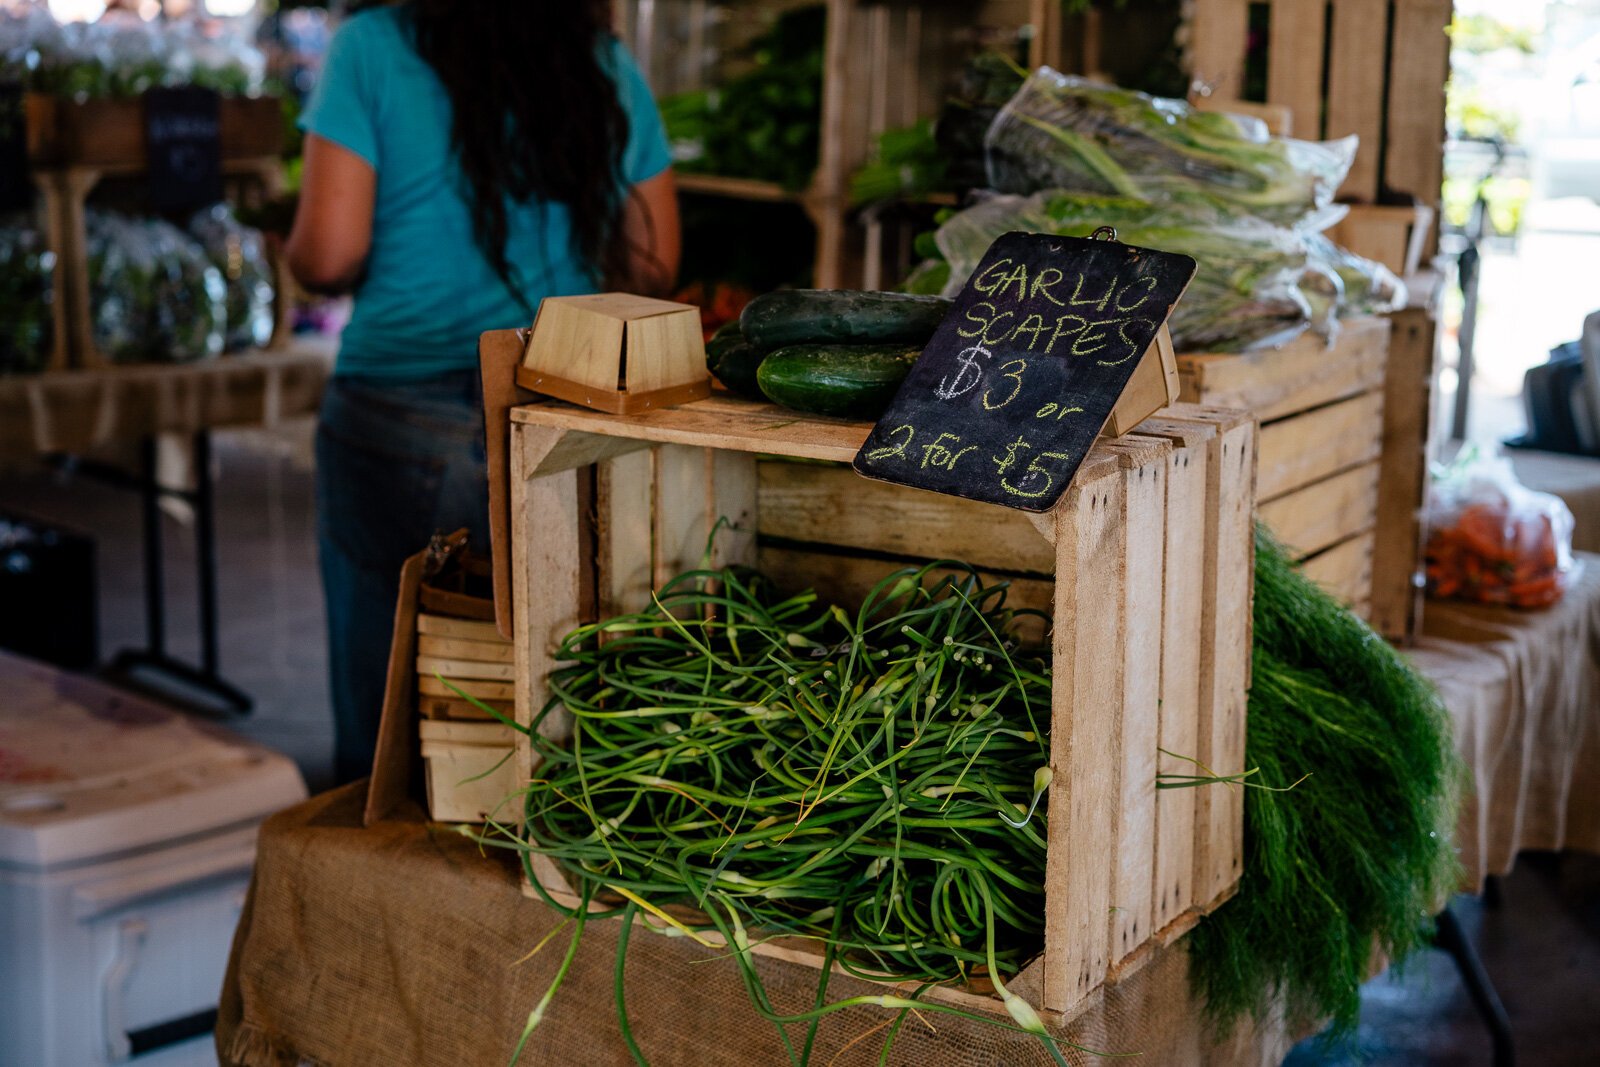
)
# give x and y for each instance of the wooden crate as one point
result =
(63, 132)
(1322, 440)
(1374, 68)
(604, 509)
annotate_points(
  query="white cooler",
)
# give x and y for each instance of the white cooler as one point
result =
(127, 833)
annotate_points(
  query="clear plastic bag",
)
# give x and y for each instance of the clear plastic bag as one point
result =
(1492, 540)
(1247, 289)
(123, 56)
(1367, 287)
(240, 254)
(156, 297)
(27, 289)
(1065, 132)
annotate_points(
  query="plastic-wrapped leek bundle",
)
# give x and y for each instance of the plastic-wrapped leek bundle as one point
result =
(240, 254)
(1062, 132)
(156, 298)
(1247, 290)
(26, 292)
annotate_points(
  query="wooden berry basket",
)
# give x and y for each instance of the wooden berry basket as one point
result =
(606, 508)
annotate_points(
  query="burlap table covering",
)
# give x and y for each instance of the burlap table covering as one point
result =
(398, 945)
(75, 411)
(1524, 691)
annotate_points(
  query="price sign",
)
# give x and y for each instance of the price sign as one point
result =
(1019, 379)
(183, 142)
(16, 182)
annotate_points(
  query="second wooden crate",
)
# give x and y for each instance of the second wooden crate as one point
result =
(1321, 412)
(1146, 561)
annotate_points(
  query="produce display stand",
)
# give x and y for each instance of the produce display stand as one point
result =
(73, 145)
(1321, 411)
(606, 508)
(887, 64)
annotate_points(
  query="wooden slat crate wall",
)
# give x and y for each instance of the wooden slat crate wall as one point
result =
(1397, 601)
(1375, 68)
(604, 509)
(887, 63)
(1321, 411)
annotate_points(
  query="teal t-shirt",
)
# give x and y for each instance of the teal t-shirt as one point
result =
(429, 291)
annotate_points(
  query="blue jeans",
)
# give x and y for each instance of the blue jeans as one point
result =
(397, 461)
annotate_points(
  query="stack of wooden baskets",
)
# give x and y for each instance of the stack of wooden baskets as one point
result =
(460, 654)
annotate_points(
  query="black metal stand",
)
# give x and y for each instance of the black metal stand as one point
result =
(1451, 939)
(132, 666)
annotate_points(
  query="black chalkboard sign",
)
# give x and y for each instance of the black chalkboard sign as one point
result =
(1019, 379)
(183, 142)
(16, 182)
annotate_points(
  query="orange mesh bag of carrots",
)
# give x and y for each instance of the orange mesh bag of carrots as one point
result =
(1493, 540)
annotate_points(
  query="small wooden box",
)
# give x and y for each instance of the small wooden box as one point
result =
(616, 352)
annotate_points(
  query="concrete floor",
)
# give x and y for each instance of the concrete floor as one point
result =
(1542, 946)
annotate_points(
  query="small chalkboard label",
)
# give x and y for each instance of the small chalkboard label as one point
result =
(16, 181)
(183, 142)
(1019, 379)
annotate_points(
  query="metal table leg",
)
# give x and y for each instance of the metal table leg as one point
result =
(1450, 938)
(133, 666)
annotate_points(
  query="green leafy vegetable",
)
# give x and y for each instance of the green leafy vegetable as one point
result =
(1359, 856)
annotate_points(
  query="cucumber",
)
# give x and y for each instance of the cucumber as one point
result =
(840, 317)
(733, 361)
(851, 381)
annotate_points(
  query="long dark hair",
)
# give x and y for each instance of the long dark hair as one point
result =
(534, 115)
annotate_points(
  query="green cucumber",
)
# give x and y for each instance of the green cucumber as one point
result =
(850, 381)
(840, 317)
(733, 361)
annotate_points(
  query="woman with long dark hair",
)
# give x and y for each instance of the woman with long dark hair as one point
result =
(463, 161)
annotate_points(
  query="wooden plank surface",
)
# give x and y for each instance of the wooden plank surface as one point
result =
(836, 506)
(1091, 562)
(625, 504)
(428, 685)
(733, 504)
(1403, 474)
(1225, 658)
(1295, 37)
(1345, 570)
(1218, 38)
(455, 648)
(1307, 448)
(1303, 374)
(458, 669)
(458, 629)
(1144, 516)
(1183, 591)
(845, 579)
(1356, 76)
(1419, 66)
(1326, 512)
(432, 707)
